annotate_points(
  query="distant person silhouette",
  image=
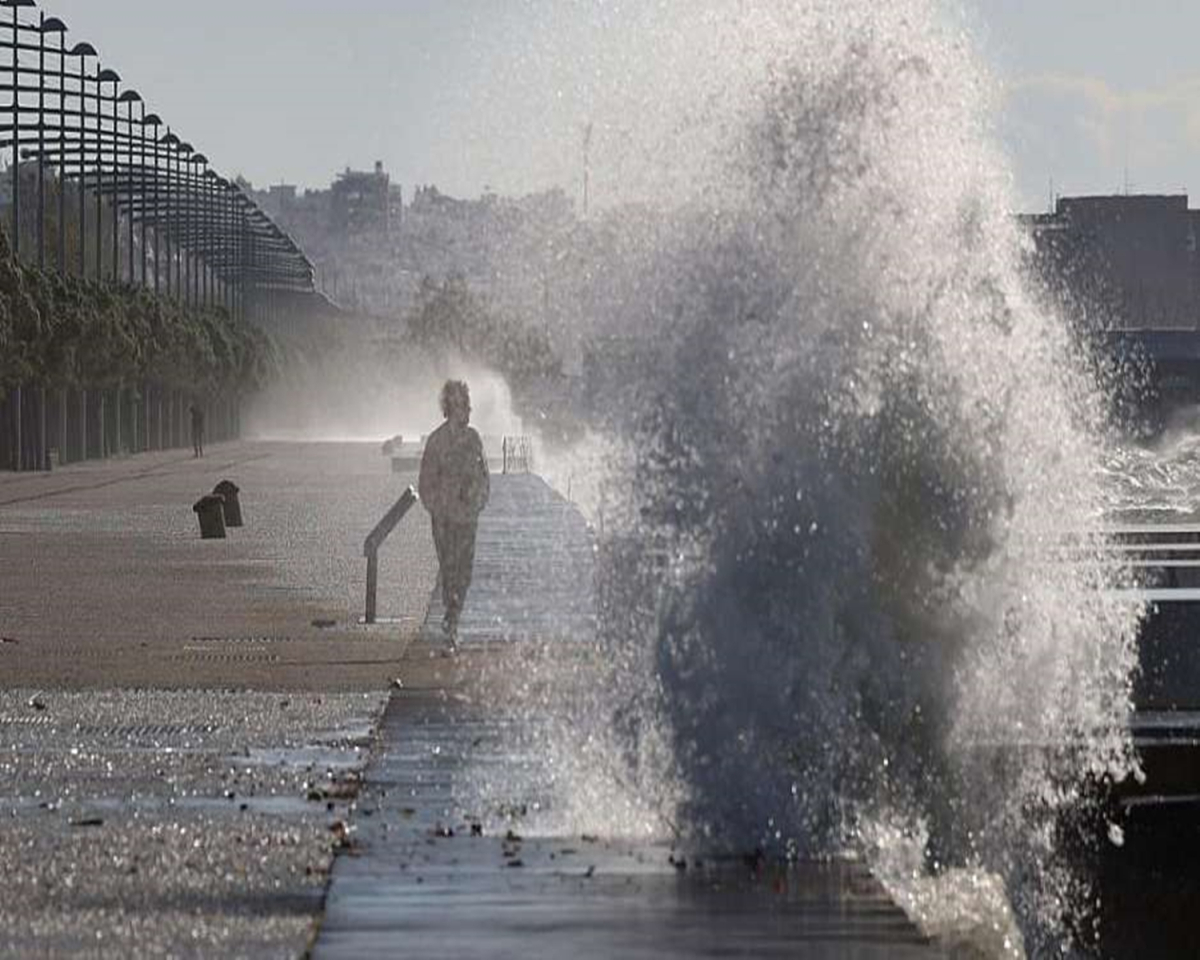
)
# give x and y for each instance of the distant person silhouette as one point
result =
(454, 487)
(197, 430)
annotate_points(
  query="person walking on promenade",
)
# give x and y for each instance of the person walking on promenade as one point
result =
(454, 486)
(197, 430)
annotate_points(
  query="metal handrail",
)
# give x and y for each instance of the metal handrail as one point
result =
(375, 540)
(516, 455)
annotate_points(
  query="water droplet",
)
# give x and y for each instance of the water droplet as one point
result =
(1116, 835)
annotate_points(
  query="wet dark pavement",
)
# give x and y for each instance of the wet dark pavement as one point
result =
(440, 867)
(141, 823)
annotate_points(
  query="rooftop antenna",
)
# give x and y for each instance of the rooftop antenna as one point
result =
(587, 144)
(1126, 184)
(1051, 210)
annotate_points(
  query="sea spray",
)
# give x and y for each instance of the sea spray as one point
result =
(828, 616)
(367, 390)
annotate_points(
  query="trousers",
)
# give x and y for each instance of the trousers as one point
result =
(455, 545)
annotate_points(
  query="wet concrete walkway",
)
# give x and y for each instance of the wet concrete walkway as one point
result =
(429, 873)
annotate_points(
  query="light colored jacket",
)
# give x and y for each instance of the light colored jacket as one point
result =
(454, 482)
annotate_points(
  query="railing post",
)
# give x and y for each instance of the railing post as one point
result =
(83, 424)
(373, 541)
(117, 411)
(64, 455)
(43, 451)
(372, 584)
(18, 432)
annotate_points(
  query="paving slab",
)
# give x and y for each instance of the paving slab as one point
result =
(105, 582)
(441, 862)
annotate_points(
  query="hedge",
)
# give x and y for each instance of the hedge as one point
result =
(60, 331)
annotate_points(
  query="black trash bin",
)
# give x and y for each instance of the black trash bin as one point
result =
(211, 511)
(233, 508)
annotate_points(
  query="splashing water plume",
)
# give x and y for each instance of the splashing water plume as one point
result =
(827, 618)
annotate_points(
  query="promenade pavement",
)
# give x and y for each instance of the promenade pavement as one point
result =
(184, 728)
(183, 722)
(447, 858)
(106, 581)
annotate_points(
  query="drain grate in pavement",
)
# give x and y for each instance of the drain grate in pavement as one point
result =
(252, 641)
(200, 656)
(31, 721)
(142, 731)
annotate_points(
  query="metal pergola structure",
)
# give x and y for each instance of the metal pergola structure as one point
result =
(133, 202)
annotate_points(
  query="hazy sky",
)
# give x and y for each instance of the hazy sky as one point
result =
(1100, 94)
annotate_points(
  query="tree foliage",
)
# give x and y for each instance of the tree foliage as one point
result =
(62, 331)
(447, 315)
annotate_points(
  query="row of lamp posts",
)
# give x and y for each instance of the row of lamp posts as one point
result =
(200, 238)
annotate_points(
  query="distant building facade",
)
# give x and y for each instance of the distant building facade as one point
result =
(1123, 262)
(357, 203)
(360, 201)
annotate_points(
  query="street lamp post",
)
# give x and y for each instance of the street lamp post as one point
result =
(107, 76)
(224, 212)
(170, 141)
(181, 250)
(45, 26)
(184, 287)
(82, 50)
(235, 237)
(102, 77)
(245, 255)
(116, 190)
(150, 120)
(129, 98)
(16, 136)
(213, 230)
(198, 262)
(62, 142)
